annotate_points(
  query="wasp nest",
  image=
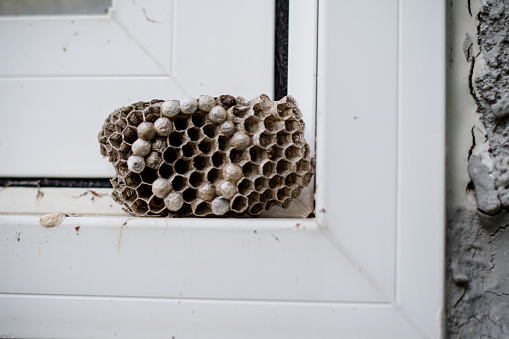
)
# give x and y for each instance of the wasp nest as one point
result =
(211, 156)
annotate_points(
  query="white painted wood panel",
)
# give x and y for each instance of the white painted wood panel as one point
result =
(91, 65)
(357, 131)
(64, 143)
(69, 46)
(267, 259)
(151, 25)
(225, 46)
(71, 317)
(421, 165)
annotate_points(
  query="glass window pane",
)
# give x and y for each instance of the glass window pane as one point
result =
(54, 7)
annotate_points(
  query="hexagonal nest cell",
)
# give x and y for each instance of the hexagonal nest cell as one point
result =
(207, 157)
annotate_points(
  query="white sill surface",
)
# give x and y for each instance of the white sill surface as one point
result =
(98, 201)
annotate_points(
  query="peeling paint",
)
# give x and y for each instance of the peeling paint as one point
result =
(478, 236)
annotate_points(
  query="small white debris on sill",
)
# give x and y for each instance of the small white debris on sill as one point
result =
(52, 219)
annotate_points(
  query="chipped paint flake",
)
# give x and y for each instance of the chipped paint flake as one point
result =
(52, 219)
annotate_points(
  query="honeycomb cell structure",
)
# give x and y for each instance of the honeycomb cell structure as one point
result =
(207, 157)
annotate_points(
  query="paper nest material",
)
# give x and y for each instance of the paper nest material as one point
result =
(207, 157)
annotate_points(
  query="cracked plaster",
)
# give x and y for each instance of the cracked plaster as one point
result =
(478, 194)
(478, 277)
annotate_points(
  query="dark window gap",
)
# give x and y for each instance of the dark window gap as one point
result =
(281, 50)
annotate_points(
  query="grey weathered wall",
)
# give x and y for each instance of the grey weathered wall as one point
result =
(478, 169)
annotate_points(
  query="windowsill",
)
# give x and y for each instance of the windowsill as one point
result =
(98, 202)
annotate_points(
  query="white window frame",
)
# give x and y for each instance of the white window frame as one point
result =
(324, 277)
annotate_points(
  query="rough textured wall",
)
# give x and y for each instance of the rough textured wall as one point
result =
(478, 278)
(478, 239)
(490, 172)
